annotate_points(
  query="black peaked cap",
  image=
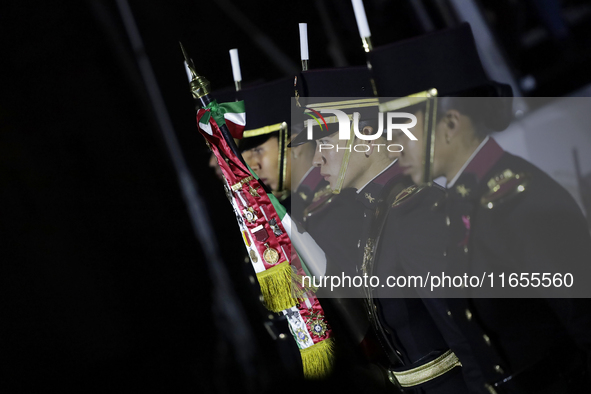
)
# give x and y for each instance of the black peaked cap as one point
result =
(327, 86)
(268, 103)
(446, 60)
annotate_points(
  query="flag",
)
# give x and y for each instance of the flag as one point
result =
(232, 114)
(266, 228)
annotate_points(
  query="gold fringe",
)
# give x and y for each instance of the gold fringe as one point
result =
(318, 359)
(276, 287)
(297, 289)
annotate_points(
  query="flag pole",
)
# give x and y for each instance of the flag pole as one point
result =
(200, 88)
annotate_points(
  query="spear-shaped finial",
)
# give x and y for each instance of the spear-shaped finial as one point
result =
(199, 84)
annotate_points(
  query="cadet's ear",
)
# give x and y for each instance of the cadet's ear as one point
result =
(451, 123)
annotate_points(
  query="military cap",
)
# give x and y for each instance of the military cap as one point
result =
(446, 60)
(320, 88)
(442, 63)
(267, 108)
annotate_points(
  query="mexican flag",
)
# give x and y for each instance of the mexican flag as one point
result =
(232, 114)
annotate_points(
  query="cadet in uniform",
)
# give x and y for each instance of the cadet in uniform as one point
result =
(266, 136)
(338, 218)
(341, 215)
(344, 229)
(499, 212)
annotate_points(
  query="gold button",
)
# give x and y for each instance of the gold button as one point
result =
(466, 249)
(498, 369)
(449, 313)
(447, 221)
(486, 339)
(468, 314)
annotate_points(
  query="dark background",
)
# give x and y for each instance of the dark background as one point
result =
(103, 284)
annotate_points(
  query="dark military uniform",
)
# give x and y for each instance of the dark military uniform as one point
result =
(417, 332)
(527, 224)
(268, 114)
(311, 186)
(341, 225)
(423, 343)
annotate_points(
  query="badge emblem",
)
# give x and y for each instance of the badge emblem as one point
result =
(270, 255)
(317, 325)
(275, 227)
(253, 256)
(252, 191)
(260, 233)
(301, 336)
(292, 314)
(250, 215)
(369, 198)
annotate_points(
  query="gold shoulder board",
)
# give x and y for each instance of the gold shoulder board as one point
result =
(503, 187)
(406, 193)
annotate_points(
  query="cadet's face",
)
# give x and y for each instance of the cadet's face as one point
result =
(329, 160)
(264, 161)
(411, 159)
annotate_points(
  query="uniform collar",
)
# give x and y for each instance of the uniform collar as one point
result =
(371, 192)
(455, 178)
(479, 164)
(311, 179)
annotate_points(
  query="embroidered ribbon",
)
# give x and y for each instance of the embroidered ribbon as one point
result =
(270, 257)
(233, 112)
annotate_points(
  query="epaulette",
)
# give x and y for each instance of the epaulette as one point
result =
(405, 194)
(325, 191)
(321, 197)
(503, 187)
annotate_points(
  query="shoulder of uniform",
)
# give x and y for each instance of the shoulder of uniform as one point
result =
(322, 193)
(503, 186)
(406, 194)
(321, 198)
